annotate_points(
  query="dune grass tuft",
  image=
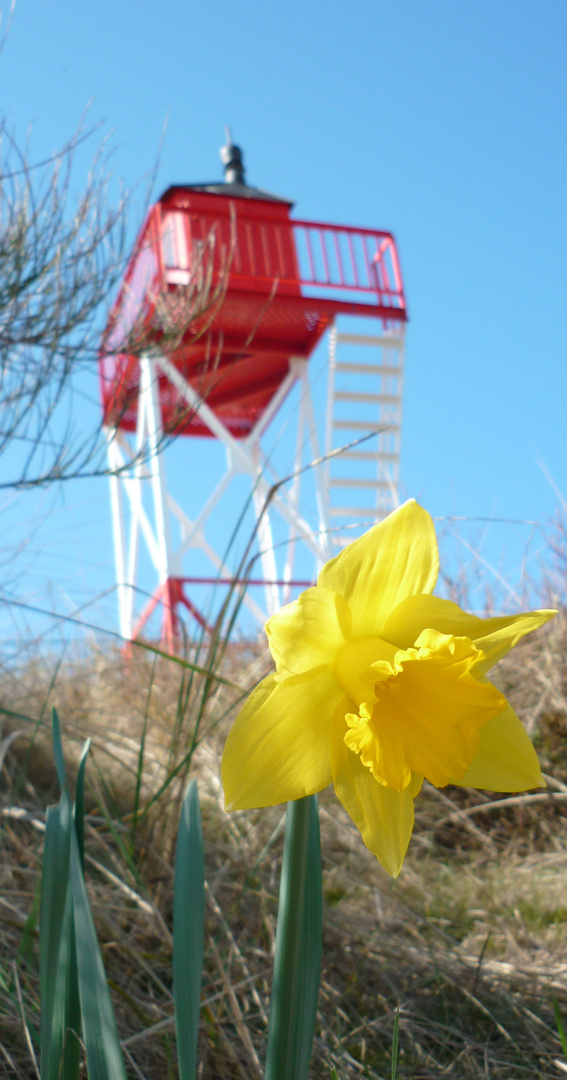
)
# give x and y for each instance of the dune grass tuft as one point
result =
(470, 944)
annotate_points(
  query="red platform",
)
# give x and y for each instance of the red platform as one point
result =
(276, 285)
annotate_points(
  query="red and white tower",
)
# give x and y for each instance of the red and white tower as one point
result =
(222, 303)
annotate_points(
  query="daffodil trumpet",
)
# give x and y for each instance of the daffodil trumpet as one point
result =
(378, 685)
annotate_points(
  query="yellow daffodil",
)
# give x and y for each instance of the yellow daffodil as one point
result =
(379, 684)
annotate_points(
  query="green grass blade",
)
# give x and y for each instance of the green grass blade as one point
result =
(140, 764)
(58, 749)
(297, 963)
(54, 938)
(559, 1025)
(100, 1036)
(72, 1060)
(395, 1041)
(188, 931)
(80, 802)
(37, 724)
(105, 796)
(182, 662)
(26, 946)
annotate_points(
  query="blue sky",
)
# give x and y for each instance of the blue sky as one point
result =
(444, 122)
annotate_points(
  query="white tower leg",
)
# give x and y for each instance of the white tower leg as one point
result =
(143, 510)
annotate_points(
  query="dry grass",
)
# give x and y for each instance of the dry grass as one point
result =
(471, 941)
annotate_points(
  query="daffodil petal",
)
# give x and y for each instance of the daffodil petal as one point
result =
(494, 636)
(506, 759)
(309, 632)
(383, 816)
(279, 745)
(393, 560)
(500, 635)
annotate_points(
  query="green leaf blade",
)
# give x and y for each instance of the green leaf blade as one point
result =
(104, 1054)
(72, 1060)
(79, 814)
(58, 749)
(54, 939)
(188, 931)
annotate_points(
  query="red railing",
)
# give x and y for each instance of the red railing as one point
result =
(141, 282)
(338, 257)
(322, 260)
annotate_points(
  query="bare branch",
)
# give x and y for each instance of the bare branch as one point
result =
(58, 265)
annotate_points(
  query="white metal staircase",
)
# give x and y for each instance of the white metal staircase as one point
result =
(364, 399)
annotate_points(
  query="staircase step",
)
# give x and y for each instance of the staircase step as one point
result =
(386, 484)
(367, 369)
(367, 455)
(361, 339)
(354, 512)
(381, 399)
(362, 425)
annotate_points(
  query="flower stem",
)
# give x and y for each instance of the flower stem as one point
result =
(297, 962)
